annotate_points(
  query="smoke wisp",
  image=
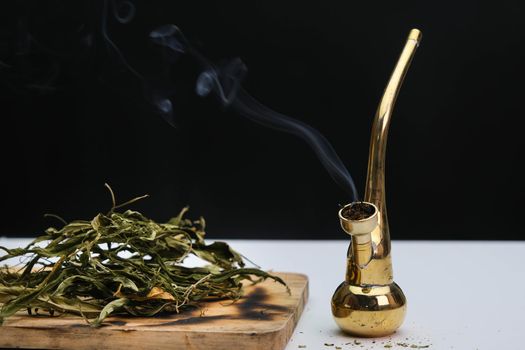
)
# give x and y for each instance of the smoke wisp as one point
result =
(224, 82)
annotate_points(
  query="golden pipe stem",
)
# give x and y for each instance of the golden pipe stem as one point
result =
(360, 230)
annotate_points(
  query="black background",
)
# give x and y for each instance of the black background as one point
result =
(74, 115)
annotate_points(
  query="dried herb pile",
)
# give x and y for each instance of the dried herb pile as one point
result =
(121, 262)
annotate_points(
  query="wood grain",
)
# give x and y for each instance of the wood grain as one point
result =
(264, 319)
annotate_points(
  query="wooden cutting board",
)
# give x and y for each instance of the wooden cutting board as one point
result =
(264, 319)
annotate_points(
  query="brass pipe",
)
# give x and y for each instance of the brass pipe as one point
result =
(368, 303)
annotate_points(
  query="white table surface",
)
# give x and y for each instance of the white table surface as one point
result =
(461, 295)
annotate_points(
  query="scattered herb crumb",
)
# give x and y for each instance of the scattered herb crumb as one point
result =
(388, 345)
(301, 346)
(357, 342)
(338, 347)
(328, 344)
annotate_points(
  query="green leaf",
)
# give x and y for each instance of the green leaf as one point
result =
(112, 307)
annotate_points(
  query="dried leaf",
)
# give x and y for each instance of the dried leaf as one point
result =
(122, 262)
(159, 293)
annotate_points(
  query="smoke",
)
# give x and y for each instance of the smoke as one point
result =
(37, 67)
(123, 12)
(224, 82)
(170, 37)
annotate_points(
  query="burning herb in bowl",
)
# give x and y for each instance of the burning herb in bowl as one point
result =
(122, 262)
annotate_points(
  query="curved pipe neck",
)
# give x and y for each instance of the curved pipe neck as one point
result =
(369, 261)
(375, 183)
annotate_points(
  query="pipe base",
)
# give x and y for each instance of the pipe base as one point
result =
(369, 311)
